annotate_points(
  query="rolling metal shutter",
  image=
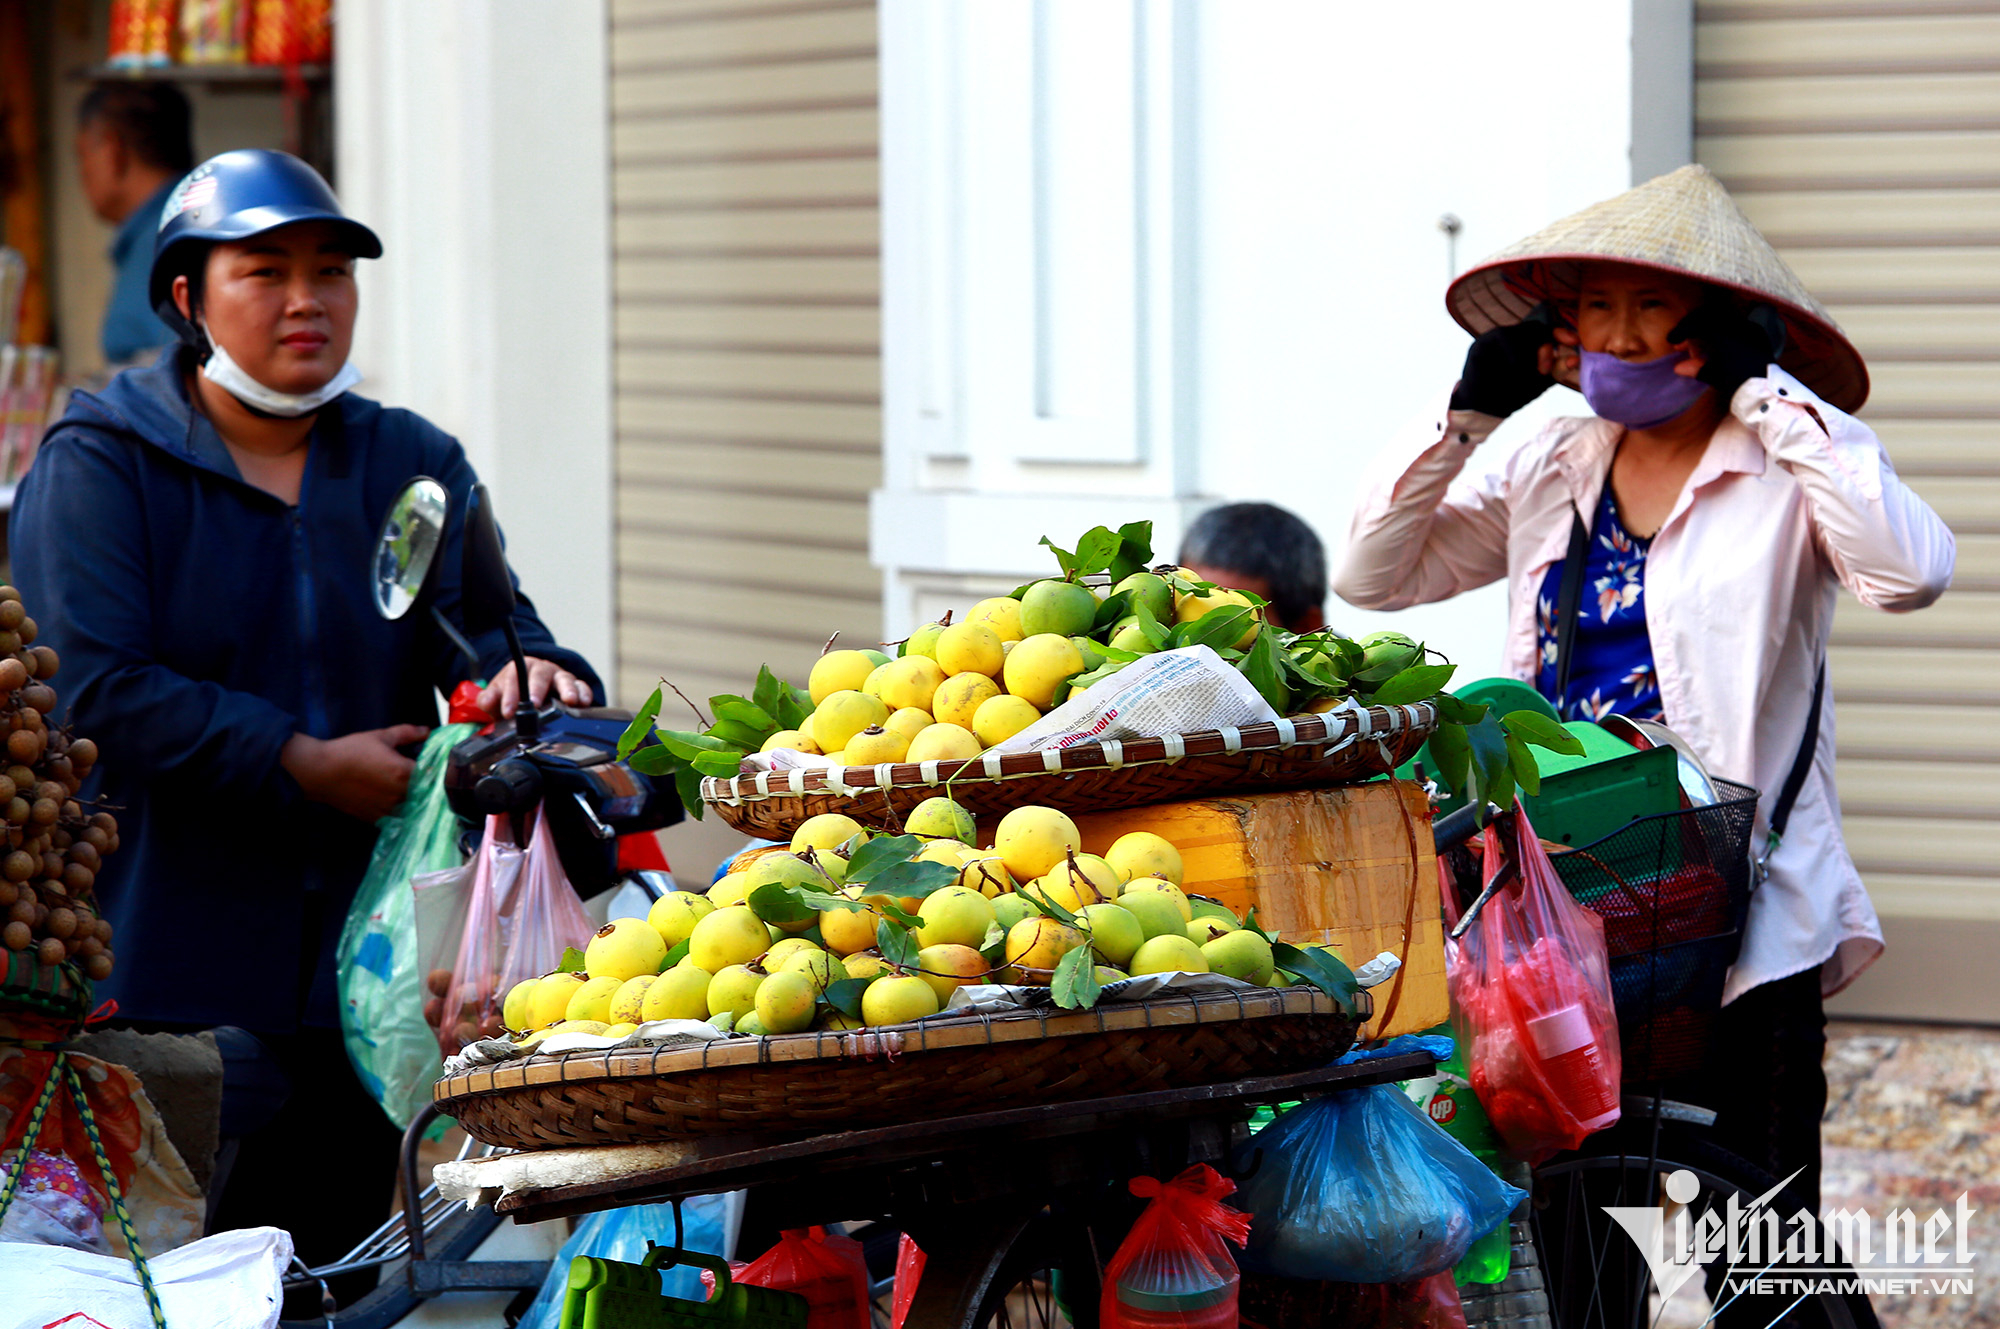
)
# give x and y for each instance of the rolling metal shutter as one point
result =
(746, 337)
(1864, 139)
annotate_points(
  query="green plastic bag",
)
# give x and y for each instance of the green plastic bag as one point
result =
(380, 965)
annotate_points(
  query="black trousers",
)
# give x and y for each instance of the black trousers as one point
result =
(1766, 1080)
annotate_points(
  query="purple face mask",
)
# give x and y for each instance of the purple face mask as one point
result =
(1638, 394)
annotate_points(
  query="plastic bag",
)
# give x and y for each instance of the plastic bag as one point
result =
(1532, 982)
(909, 1273)
(382, 967)
(825, 1268)
(1361, 1187)
(228, 1281)
(514, 930)
(1174, 1267)
(622, 1234)
(1277, 1303)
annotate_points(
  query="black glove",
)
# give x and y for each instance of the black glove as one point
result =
(1735, 344)
(1502, 367)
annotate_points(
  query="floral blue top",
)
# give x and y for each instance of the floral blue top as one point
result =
(1611, 670)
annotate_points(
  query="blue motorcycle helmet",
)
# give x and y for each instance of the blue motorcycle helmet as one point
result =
(233, 197)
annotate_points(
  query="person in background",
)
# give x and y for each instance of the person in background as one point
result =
(1265, 550)
(133, 141)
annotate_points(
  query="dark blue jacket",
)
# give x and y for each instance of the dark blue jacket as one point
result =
(201, 622)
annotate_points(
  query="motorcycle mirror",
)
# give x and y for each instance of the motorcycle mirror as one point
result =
(406, 550)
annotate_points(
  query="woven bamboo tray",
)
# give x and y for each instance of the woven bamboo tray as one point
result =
(813, 1083)
(1341, 747)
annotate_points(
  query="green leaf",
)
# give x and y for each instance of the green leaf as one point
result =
(641, 726)
(775, 902)
(1321, 969)
(688, 746)
(1534, 727)
(721, 765)
(768, 691)
(1490, 762)
(675, 956)
(1135, 550)
(879, 854)
(1114, 608)
(687, 783)
(1456, 710)
(1064, 559)
(1260, 666)
(748, 714)
(794, 705)
(655, 760)
(1049, 907)
(1076, 683)
(739, 736)
(1075, 985)
(572, 961)
(1384, 660)
(844, 995)
(1526, 773)
(898, 947)
(911, 880)
(1216, 628)
(1095, 550)
(1413, 684)
(1250, 922)
(1149, 623)
(1453, 755)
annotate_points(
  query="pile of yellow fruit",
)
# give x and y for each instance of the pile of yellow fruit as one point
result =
(959, 688)
(751, 960)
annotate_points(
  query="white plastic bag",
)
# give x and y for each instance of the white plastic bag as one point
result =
(232, 1280)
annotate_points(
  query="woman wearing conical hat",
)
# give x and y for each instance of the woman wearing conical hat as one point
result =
(1720, 496)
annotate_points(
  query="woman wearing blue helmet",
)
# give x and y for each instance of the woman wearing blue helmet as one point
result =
(195, 541)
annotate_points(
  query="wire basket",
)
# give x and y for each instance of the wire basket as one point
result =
(1673, 890)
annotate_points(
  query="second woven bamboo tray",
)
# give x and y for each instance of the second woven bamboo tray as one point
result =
(813, 1083)
(1340, 747)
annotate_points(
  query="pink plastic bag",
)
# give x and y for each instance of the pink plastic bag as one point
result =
(909, 1273)
(1532, 983)
(1174, 1269)
(825, 1268)
(517, 926)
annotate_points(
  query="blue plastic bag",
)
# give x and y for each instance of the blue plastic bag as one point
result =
(622, 1234)
(1361, 1187)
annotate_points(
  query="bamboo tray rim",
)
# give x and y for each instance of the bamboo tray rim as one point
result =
(1342, 727)
(1166, 1010)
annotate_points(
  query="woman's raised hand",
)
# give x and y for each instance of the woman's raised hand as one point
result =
(1506, 368)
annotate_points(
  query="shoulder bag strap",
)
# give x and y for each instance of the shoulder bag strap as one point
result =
(1570, 601)
(1795, 779)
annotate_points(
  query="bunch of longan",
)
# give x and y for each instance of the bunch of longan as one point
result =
(53, 847)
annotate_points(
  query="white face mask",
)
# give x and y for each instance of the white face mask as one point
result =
(226, 374)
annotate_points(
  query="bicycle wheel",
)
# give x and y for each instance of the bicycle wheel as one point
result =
(1596, 1274)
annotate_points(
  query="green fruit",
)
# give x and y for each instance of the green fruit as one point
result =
(1168, 953)
(923, 641)
(785, 1001)
(751, 1024)
(1107, 975)
(817, 966)
(1062, 607)
(1093, 655)
(1210, 909)
(879, 657)
(954, 916)
(1129, 636)
(1158, 915)
(1241, 954)
(1114, 933)
(679, 994)
(734, 989)
(1011, 908)
(941, 819)
(1151, 590)
(1204, 930)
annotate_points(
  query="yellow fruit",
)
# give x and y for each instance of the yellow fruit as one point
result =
(911, 681)
(1140, 885)
(727, 937)
(592, 999)
(1000, 718)
(943, 851)
(514, 1010)
(782, 951)
(1038, 944)
(679, 994)
(1086, 877)
(837, 758)
(876, 745)
(734, 989)
(954, 916)
(674, 915)
(1002, 613)
(872, 685)
(621, 1029)
(970, 648)
(924, 640)
(732, 889)
(785, 1002)
(789, 738)
(806, 730)
(628, 1003)
(595, 1028)
(838, 671)
(551, 998)
(943, 742)
(897, 1001)
(1144, 854)
(1031, 840)
(624, 948)
(949, 968)
(845, 714)
(867, 964)
(958, 698)
(1167, 953)
(827, 831)
(1190, 607)
(986, 872)
(1039, 664)
(831, 1021)
(849, 930)
(816, 965)
(909, 722)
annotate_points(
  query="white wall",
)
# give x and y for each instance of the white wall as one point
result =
(472, 135)
(1290, 179)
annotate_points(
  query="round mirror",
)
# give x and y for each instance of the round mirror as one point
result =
(407, 549)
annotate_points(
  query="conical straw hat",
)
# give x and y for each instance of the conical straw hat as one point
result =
(1682, 222)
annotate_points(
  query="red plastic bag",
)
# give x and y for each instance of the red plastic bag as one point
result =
(1174, 1269)
(825, 1268)
(909, 1273)
(1532, 983)
(520, 919)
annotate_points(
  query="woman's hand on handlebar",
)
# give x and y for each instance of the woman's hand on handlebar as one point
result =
(360, 774)
(503, 695)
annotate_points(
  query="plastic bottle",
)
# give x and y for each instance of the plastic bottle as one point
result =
(1447, 1099)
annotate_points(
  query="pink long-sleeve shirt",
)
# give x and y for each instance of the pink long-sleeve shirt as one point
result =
(1792, 499)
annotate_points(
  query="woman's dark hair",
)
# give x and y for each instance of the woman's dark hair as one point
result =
(1265, 541)
(151, 119)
